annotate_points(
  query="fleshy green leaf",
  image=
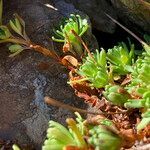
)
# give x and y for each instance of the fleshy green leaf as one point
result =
(113, 95)
(135, 103)
(103, 139)
(22, 22)
(121, 58)
(16, 26)
(144, 122)
(4, 33)
(14, 48)
(64, 34)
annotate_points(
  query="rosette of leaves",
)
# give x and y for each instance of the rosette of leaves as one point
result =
(102, 138)
(64, 34)
(94, 69)
(142, 103)
(21, 41)
(58, 137)
(140, 86)
(116, 94)
(121, 58)
(145, 120)
(140, 83)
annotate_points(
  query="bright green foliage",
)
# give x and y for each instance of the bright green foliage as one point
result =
(145, 120)
(139, 103)
(113, 94)
(97, 71)
(94, 69)
(76, 133)
(58, 137)
(99, 74)
(141, 73)
(140, 85)
(121, 58)
(80, 123)
(103, 139)
(64, 34)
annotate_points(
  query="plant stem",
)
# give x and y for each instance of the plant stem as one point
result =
(18, 41)
(53, 102)
(80, 40)
(44, 51)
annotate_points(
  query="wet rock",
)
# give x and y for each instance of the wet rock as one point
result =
(95, 10)
(23, 114)
(133, 13)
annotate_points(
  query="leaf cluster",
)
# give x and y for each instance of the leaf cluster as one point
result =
(64, 34)
(101, 69)
(58, 137)
(99, 137)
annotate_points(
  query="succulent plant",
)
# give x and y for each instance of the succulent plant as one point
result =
(140, 86)
(143, 103)
(58, 137)
(71, 43)
(145, 120)
(139, 103)
(101, 138)
(116, 94)
(94, 69)
(97, 69)
(121, 58)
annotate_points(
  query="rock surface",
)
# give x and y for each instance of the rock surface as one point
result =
(95, 10)
(23, 83)
(134, 13)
